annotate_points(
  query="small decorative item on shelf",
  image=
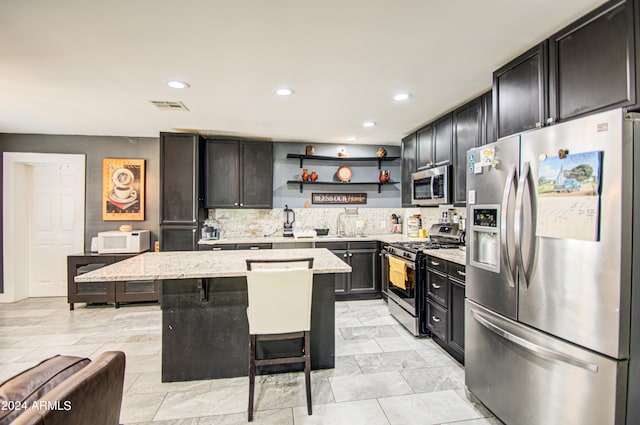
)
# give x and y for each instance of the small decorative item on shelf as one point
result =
(305, 175)
(313, 176)
(344, 173)
(343, 153)
(382, 153)
(310, 150)
(384, 176)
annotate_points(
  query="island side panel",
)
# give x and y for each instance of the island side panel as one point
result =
(204, 339)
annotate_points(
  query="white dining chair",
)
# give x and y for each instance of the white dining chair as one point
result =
(280, 297)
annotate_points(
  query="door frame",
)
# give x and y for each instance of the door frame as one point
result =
(15, 245)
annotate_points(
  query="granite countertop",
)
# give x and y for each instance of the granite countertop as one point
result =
(201, 264)
(458, 256)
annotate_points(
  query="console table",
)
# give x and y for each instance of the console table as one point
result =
(105, 292)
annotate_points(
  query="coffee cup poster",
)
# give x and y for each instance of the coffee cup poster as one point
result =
(122, 189)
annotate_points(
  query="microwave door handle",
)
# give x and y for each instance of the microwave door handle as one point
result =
(508, 186)
(431, 179)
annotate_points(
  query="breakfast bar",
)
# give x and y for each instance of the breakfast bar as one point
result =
(203, 296)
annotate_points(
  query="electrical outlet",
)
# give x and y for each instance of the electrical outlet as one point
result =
(383, 224)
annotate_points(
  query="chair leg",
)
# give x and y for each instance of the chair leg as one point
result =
(252, 373)
(307, 368)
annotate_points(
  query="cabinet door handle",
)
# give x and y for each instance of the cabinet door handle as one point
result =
(217, 249)
(538, 124)
(350, 255)
(435, 263)
(345, 255)
(550, 120)
(254, 247)
(461, 273)
(436, 286)
(435, 319)
(235, 204)
(241, 204)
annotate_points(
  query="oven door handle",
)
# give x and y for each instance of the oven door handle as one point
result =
(407, 264)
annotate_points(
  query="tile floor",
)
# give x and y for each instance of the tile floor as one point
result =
(383, 375)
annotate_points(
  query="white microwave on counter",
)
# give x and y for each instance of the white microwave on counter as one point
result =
(116, 242)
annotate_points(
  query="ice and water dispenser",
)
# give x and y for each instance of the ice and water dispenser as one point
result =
(484, 243)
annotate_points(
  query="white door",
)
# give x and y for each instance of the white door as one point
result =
(56, 225)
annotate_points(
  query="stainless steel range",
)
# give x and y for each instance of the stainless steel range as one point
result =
(404, 282)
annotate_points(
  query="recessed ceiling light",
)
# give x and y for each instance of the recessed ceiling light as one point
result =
(284, 91)
(178, 84)
(401, 96)
(352, 139)
(369, 124)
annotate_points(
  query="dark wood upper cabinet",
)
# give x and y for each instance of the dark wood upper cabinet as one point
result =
(488, 134)
(238, 174)
(221, 175)
(180, 188)
(592, 63)
(520, 92)
(467, 122)
(256, 174)
(434, 143)
(408, 167)
(442, 140)
(424, 146)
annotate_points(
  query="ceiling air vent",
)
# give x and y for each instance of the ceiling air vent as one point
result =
(167, 105)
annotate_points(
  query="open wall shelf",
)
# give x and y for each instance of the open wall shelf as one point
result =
(302, 158)
(343, 184)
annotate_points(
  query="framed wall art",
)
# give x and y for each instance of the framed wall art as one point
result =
(123, 189)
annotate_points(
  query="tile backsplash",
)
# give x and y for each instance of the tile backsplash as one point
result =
(265, 222)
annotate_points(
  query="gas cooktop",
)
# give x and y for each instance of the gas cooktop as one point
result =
(416, 246)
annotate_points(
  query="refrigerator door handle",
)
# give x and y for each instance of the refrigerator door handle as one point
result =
(503, 225)
(535, 349)
(517, 224)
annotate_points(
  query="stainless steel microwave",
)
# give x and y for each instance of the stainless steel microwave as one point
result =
(431, 186)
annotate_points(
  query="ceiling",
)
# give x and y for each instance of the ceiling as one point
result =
(89, 67)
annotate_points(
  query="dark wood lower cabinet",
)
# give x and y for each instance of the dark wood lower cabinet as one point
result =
(445, 305)
(104, 292)
(364, 280)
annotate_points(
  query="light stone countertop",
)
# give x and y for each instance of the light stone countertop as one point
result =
(457, 256)
(202, 264)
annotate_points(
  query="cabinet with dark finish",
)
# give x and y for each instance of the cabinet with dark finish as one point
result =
(467, 124)
(408, 167)
(520, 92)
(488, 134)
(364, 280)
(181, 201)
(238, 174)
(445, 305)
(232, 246)
(455, 339)
(178, 238)
(104, 292)
(424, 150)
(592, 63)
(180, 196)
(442, 140)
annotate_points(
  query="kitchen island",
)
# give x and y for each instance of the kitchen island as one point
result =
(203, 296)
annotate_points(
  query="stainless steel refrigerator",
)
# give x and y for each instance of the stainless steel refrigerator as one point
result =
(551, 318)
